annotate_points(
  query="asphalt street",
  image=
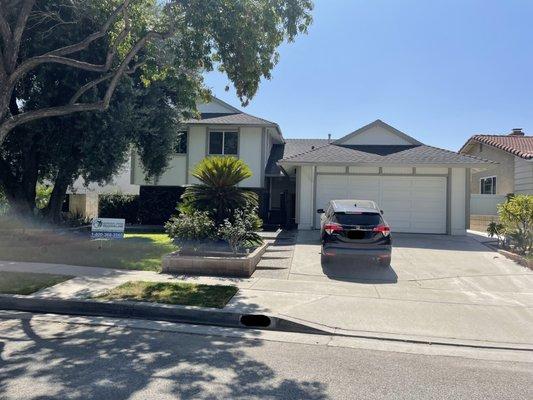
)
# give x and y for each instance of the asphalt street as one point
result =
(53, 359)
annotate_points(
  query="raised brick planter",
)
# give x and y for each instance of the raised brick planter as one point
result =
(214, 263)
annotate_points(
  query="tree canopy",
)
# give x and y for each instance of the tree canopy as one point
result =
(240, 37)
(60, 57)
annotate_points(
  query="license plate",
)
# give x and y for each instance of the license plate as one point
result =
(356, 234)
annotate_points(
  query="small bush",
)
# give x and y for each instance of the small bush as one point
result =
(516, 216)
(119, 206)
(241, 232)
(191, 230)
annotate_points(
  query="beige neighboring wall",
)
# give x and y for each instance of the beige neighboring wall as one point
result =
(504, 171)
(523, 170)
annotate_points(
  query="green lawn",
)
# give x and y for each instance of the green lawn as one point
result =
(135, 251)
(27, 282)
(188, 294)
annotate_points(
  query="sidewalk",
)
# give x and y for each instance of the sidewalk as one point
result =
(399, 310)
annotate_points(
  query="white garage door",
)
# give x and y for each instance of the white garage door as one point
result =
(410, 204)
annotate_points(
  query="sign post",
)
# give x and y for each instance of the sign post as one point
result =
(108, 228)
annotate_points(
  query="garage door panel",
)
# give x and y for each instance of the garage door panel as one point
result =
(410, 203)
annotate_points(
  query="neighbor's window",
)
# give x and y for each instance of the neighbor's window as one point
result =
(488, 185)
(223, 142)
(181, 143)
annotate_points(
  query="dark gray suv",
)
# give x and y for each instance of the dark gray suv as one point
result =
(351, 228)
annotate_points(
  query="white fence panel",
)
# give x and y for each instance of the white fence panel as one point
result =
(485, 204)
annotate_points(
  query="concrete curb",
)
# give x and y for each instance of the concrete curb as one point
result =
(197, 316)
(155, 312)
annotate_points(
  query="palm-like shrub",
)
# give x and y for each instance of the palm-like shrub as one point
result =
(218, 192)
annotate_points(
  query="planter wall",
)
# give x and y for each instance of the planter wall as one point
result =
(214, 263)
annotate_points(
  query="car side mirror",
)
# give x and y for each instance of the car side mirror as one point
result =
(381, 211)
(320, 211)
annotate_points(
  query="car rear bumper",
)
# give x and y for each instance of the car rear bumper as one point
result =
(333, 249)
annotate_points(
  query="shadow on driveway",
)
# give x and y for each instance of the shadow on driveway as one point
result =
(355, 269)
(437, 242)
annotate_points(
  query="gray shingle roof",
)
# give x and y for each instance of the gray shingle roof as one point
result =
(230, 119)
(382, 155)
(291, 148)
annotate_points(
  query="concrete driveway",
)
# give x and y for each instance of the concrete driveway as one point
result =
(438, 287)
(430, 261)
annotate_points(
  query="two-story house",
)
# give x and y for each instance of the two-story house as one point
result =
(421, 188)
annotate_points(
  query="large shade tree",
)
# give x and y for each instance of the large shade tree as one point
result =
(241, 36)
(60, 57)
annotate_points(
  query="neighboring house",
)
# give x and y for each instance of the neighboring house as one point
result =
(120, 183)
(514, 155)
(83, 199)
(421, 188)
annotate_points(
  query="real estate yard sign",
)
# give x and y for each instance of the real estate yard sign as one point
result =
(108, 228)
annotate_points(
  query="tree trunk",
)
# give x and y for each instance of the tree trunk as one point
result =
(64, 178)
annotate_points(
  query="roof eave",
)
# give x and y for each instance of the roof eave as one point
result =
(381, 164)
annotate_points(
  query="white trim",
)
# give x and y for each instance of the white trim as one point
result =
(379, 123)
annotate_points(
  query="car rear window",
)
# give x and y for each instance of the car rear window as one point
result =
(358, 219)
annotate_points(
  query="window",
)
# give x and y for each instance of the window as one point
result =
(488, 185)
(181, 143)
(223, 142)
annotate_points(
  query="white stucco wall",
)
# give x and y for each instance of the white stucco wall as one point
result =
(457, 207)
(304, 197)
(197, 148)
(376, 135)
(250, 145)
(523, 176)
(120, 183)
(174, 175)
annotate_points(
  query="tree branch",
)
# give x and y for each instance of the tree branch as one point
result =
(5, 29)
(29, 116)
(73, 48)
(81, 91)
(16, 36)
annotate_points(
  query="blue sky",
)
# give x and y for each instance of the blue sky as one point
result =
(440, 71)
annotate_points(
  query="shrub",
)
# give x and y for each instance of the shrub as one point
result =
(516, 216)
(218, 192)
(42, 195)
(119, 206)
(240, 232)
(192, 229)
(498, 230)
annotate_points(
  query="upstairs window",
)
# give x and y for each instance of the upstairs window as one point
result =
(223, 142)
(488, 185)
(181, 143)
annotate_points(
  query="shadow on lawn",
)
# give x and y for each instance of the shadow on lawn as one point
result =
(110, 362)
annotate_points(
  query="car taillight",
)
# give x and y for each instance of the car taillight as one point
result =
(384, 229)
(331, 228)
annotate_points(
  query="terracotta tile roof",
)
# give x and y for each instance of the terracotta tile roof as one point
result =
(521, 146)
